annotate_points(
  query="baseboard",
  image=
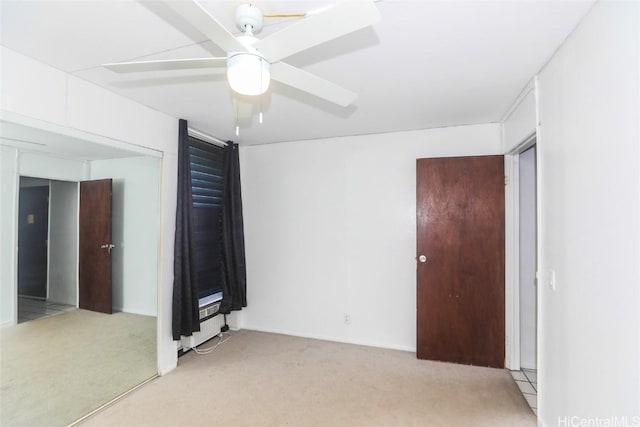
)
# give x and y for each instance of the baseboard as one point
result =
(57, 301)
(7, 323)
(411, 349)
(32, 297)
(126, 310)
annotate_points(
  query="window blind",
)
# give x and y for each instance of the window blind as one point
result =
(207, 162)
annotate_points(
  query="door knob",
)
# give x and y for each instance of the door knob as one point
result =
(422, 258)
(108, 247)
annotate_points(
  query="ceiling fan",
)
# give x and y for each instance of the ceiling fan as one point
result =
(251, 62)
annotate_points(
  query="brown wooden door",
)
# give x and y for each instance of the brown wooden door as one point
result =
(95, 250)
(460, 295)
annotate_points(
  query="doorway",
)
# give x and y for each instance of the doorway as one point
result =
(521, 285)
(47, 255)
(527, 376)
(33, 236)
(528, 259)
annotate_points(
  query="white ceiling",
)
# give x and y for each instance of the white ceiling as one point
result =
(426, 64)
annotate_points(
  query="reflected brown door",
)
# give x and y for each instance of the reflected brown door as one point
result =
(460, 260)
(95, 246)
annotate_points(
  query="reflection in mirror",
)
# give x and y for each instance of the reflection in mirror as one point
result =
(59, 359)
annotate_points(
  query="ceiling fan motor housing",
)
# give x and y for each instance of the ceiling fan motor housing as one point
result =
(248, 15)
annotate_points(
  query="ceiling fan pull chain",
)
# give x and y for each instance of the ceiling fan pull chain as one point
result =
(260, 119)
(237, 122)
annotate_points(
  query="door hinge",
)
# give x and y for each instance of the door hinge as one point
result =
(506, 180)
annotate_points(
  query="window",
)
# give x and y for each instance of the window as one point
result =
(207, 162)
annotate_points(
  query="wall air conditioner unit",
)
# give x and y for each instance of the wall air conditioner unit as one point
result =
(210, 326)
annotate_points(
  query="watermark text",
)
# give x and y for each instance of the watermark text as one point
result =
(615, 421)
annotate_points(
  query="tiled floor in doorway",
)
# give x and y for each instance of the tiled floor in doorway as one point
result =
(527, 381)
(31, 309)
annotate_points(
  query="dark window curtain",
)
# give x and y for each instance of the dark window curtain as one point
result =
(234, 273)
(185, 319)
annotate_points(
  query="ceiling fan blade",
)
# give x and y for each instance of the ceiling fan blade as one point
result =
(168, 64)
(202, 20)
(300, 79)
(317, 28)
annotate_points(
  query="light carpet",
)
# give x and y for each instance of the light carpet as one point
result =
(56, 369)
(261, 379)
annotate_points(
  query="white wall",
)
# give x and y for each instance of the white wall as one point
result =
(330, 229)
(527, 253)
(135, 207)
(35, 93)
(589, 165)
(48, 167)
(63, 242)
(8, 218)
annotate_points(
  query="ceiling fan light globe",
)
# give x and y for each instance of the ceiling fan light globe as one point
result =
(248, 74)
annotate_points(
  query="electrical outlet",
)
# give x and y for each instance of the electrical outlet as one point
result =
(347, 319)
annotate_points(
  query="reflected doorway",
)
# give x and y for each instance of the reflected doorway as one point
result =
(33, 236)
(47, 251)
